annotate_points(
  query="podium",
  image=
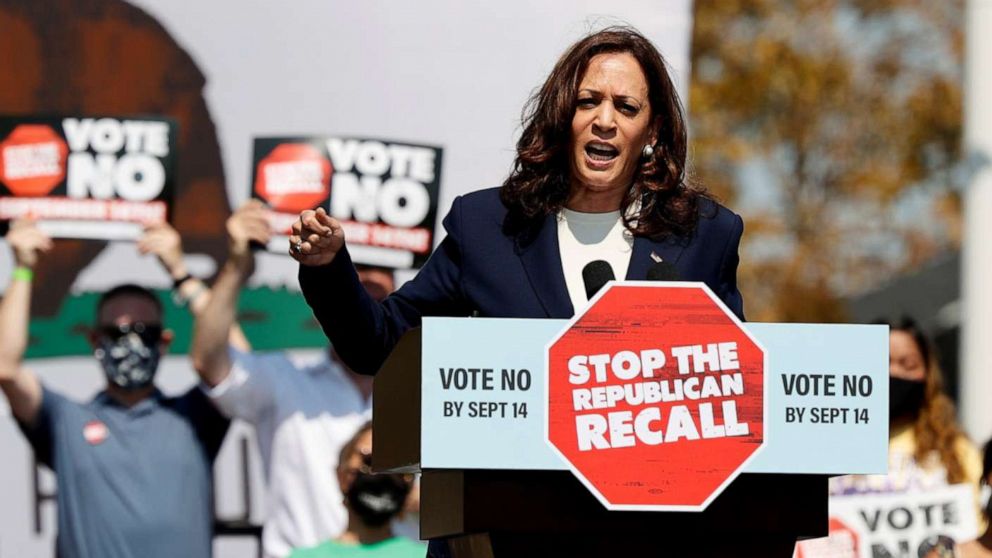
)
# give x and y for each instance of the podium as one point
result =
(522, 513)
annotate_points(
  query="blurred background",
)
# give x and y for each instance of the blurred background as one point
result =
(835, 128)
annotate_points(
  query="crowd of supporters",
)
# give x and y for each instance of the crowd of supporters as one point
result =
(135, 465)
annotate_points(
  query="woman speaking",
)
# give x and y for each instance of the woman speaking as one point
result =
(599, 176)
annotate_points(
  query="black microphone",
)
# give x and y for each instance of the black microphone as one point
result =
(663, 271)
(596, 274)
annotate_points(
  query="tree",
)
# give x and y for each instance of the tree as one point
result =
(835, 127)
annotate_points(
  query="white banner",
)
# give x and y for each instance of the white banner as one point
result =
(904, 525)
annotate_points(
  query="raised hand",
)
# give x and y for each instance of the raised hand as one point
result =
(317, 238)
(21, 387)
(28, 243)
(165, 243)
(248, 224)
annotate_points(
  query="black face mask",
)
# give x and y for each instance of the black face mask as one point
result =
(129, 362)
(377, 498)
(905, 398)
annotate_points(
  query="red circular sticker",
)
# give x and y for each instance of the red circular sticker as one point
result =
(32, 160)
(293, 177)
(95, 432)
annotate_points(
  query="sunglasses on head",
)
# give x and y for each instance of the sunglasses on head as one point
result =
(149, 333)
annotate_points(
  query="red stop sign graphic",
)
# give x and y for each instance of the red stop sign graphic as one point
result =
(32, 160)
(656, 396)
(293, 177)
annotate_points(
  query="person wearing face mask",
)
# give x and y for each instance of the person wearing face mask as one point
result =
(303, 409)
(372, 501)
(927, 448)
(134, 466)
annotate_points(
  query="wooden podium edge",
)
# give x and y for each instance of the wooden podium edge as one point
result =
(396, 409)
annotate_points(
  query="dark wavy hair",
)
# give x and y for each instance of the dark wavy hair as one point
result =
(539, 183)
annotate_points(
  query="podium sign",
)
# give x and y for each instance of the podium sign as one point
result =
(663, 379)
(484, 397)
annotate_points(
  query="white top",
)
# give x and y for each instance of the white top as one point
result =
(587, 237)
(303, 413)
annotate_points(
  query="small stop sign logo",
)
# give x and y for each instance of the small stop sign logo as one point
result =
(32, 160)
(655, 396)
(294, 177)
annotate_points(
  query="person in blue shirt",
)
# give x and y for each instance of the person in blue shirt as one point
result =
(134, 466)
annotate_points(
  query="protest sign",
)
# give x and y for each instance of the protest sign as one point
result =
(466, 376)
(384, 193)
(910, 524)
(102, 177)
(663, 379)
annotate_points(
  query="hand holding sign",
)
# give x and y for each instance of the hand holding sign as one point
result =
(27, 242)
(249, 224)
(317, 238)
(165, 243)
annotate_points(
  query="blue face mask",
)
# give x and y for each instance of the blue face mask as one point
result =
(129, 361)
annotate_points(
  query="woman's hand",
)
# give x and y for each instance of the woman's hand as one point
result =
(27, 242)
(317, 238)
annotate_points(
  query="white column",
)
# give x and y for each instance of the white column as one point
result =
(976, 338)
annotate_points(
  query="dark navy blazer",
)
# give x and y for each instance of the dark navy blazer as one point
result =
(479, 269)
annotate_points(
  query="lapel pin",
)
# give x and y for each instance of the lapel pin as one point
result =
(656, 257)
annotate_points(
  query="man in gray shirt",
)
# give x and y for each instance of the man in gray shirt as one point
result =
(133, 465)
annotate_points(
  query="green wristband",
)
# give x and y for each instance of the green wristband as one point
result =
(23, 274)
